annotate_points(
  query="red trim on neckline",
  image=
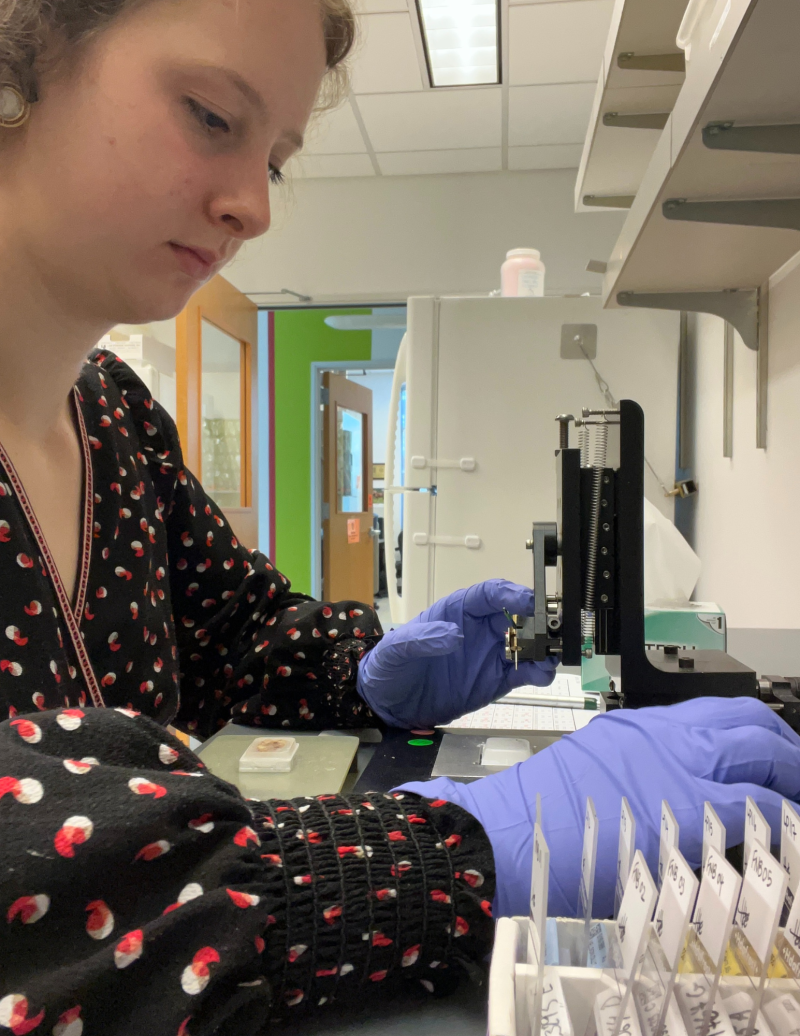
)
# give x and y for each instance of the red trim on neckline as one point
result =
(88, 514)
(72, 622)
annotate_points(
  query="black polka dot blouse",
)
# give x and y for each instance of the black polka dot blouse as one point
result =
(138, 893)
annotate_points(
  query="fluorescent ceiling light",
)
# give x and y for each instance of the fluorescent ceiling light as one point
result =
(461, 41)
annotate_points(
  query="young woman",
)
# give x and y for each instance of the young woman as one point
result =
(139, 894)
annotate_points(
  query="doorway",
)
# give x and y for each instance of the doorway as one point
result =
(373, 379)
(301, 344)
(348, 562)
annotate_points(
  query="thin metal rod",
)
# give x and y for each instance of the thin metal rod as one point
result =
(684, 418)
(727, 399)
(762, 367)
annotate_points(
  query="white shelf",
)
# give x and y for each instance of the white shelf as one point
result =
(615, 159)
(743, 69)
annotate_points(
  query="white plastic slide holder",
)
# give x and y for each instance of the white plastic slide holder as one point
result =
(505, 953)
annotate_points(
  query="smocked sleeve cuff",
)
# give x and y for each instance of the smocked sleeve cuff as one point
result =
(381, 893)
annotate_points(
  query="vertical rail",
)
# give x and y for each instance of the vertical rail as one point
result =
(762, 367)
(727, 399)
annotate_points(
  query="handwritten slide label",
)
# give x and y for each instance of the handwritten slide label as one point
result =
(675, 904)
(756, 829)
(761, 902)
(606, 1011)
(627, 841)
(716, 902)
(669, 838)
(555, 1016)
(790, 849)
(714, 833)
(635, 911)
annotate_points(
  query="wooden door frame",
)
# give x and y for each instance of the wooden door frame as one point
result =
(232, 312)
(330, 484)
(318, 368)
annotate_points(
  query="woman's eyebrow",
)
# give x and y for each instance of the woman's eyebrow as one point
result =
(255, 100)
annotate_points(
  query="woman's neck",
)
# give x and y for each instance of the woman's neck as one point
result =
(43, 343)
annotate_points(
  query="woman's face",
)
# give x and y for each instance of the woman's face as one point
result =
(166, 133)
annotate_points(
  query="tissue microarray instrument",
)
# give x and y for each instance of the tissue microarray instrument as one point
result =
(596, 547)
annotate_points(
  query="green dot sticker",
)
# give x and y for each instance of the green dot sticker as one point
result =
(420, 742)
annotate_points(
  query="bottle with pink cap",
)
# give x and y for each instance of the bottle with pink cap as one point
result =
(522, 273)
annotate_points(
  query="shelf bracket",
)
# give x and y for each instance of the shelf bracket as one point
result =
(782, 213)
(775, 140)
(675, 62)
(739, 308)
(636, 120)
(609, 201)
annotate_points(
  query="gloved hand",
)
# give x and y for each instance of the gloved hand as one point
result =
(450, 659)
(715, 749)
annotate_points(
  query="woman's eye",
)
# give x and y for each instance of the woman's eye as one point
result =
(276, 176)
(207, 119)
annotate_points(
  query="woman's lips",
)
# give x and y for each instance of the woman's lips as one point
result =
(193, 262)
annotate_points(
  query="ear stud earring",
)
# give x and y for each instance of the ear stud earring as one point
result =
(14, 109)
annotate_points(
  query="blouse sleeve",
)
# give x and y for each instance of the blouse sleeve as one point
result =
(127, 869)
(250, 648)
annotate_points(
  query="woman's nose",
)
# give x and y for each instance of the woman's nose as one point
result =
(245, 210)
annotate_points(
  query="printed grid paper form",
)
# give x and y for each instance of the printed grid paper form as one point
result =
(506, 714)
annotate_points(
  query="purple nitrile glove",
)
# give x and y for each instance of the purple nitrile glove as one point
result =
(450, 659)
(715, 749)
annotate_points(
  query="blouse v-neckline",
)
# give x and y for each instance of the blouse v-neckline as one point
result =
(72, 610)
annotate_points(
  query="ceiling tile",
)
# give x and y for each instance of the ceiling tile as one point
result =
(558, 42)
(386, 59)
(379, 6)
(433, 119)
(306, 167)
(334, 133)
(549, 114)
(545, 156)
(467, 160)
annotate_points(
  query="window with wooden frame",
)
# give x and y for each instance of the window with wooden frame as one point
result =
(216, 341)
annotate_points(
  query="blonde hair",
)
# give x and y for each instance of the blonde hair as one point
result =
(28, 26)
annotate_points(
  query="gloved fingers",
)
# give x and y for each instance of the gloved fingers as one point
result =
(727, 713)
(497, 595)
(539, 674)
(752, 754)
(416, 640)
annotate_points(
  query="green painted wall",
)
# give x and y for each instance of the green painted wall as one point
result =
(301, 338)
